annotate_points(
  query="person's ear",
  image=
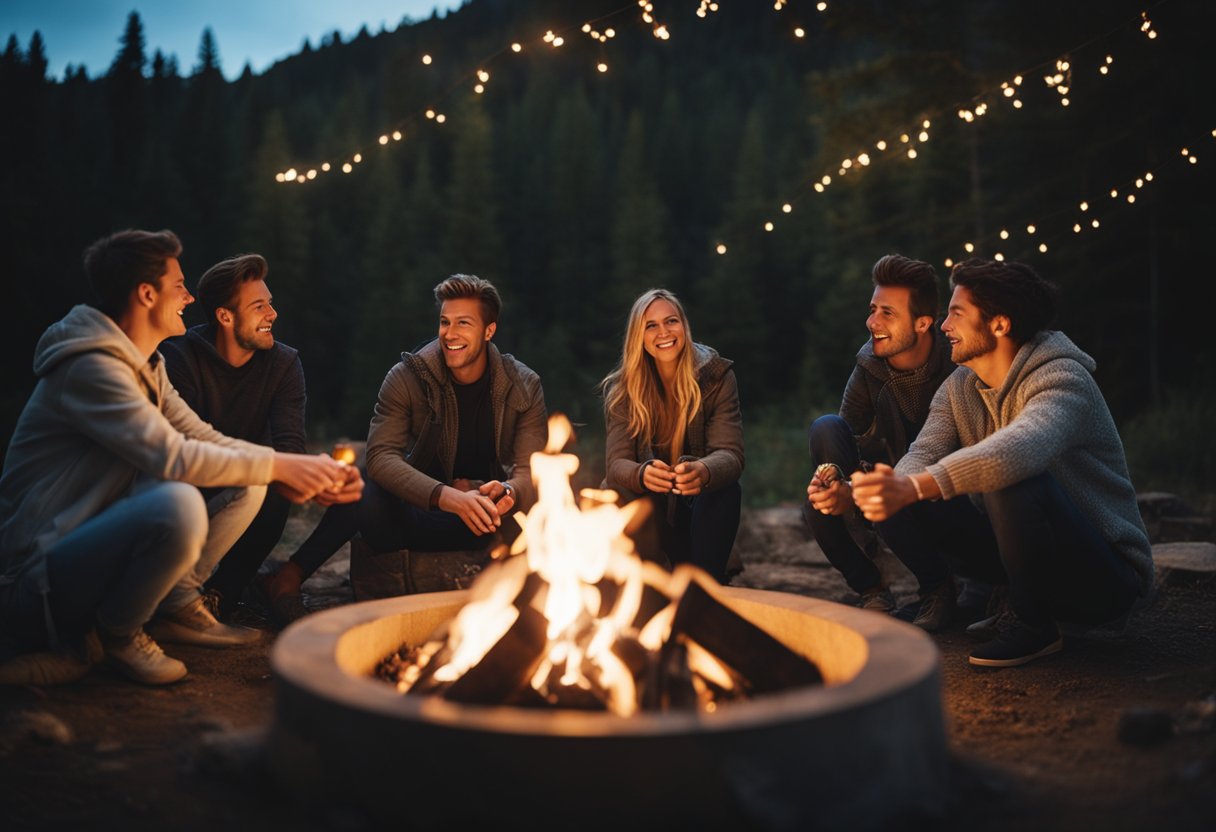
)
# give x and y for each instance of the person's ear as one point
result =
(224, 316)
(490, 330)
(145, 295)
(922, 324)
(1000, 325)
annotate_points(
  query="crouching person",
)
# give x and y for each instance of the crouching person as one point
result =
(102, 527)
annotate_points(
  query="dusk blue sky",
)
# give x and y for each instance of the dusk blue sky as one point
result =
(258, 31)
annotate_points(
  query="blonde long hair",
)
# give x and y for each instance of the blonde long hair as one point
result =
(636, 385)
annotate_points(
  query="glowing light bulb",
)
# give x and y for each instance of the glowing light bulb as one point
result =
(1139, 183)
(1114, 192)
(1131, 197)
(800, 32)
(479, 89)
(347, 167)
(483, 76)
(312, 174)
(280, 177)
(968, 247)
(911, 152)
(516, 47)
(1084, 206)
(864, 158)
(822, 6)
(1004, 234)
(586, 27)
(383, 140)
(325, 166)
(610, 32)
(1017, 103)
(826, 180)
(1030, 229)
(786, 208)
(290, 175)
(925, 124)
(602, 67)
(768, 226)
(1148, 177)
(1076, 229)
(1000, 258)
(396, 135)
(881, 145)
(558, 41)
(426, 59)
(949, 262)
(1043, 247)
(1095, 223)
(1064, 102)
(847, 163)
(430, 113)
(904, 138)
(924, 136)
(721, 248)
(819, 187)
(440, 118)
(357, 158)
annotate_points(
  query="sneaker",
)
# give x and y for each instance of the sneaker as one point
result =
(213, 600)
(140, 658)
(998, 616)
(936, 608)
(1017, 644)
(194, 624)
(878, 599)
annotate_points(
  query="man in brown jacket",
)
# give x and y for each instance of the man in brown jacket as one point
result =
(455, 426)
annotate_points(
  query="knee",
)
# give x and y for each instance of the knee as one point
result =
(826, 433)
(1020, 496)
(181, 515)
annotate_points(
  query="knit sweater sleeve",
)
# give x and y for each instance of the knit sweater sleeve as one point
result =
(723, 433)
(1051, 411)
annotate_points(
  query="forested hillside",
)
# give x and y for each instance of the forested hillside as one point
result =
(573, 189)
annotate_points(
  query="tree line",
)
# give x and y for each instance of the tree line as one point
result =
(574, 190)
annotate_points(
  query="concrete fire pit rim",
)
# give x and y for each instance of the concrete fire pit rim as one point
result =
(305, 657)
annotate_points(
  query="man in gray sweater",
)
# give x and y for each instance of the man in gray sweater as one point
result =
(1028, 434)
(101, 525)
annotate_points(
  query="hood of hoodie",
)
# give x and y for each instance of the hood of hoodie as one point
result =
(708, 364)
(1043, 348)
(82, 330)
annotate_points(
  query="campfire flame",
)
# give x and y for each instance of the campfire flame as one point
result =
(572, 550)
(576, 619)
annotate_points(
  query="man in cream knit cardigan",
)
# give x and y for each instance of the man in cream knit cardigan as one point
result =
(1026, 432)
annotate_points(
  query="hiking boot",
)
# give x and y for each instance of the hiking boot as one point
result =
(141, 659)
(194, 624)
(936, 608)
(285, 603)
(878, 599)
(1018, 643)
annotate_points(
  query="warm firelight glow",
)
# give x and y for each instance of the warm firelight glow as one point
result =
(573, 550)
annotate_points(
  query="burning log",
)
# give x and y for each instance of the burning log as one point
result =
(764, 663)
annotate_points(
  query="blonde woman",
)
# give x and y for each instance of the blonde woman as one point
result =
(675, 433)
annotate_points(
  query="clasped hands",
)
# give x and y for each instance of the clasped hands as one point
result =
(878, 494)
(480, 507)
(686, 478)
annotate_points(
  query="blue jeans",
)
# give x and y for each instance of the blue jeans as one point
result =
(831, 440)
(113, 569)
(387, 523)
(703, 529)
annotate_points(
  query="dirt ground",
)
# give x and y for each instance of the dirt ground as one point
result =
(1114, 733)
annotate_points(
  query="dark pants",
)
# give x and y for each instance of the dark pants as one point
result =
(831, 440)
(1057, 563)
(239, 566)
(338, 525)
(388, 523)
(703, 529)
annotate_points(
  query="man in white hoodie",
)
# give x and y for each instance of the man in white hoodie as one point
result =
(1026, 432)
(101, 525)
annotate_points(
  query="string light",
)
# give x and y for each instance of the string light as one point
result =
(721, 248)
(768, 226)
(1147, 26)
(426, 59)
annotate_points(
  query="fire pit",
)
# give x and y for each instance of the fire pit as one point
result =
(863, 750)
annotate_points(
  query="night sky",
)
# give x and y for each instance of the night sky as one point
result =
(258, 31)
